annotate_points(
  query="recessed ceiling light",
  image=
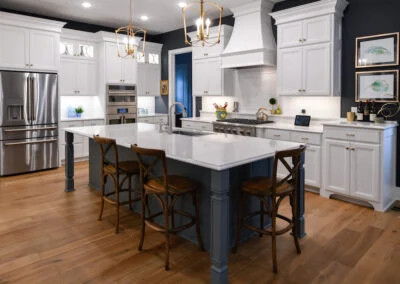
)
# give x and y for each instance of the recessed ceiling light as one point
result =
(144, 18)
(182, 4)
(86, 4)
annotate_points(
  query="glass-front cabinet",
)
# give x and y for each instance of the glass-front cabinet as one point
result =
(76, 49)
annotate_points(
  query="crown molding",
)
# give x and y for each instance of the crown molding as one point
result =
(30, 22)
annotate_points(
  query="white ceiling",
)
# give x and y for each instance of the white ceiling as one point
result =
(164, 15)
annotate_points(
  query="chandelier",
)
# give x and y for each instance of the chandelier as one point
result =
(203, 23)
(126, 41)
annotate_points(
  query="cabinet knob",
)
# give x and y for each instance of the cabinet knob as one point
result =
(347, 148)
(299, 90)
(300, 40)
(277, 135)
(353, 149)
(304, 39)
(26, 65)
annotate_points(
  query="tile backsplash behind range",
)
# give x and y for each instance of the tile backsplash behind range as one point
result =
(145, 105)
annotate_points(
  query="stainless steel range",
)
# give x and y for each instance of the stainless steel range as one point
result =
(238, 126)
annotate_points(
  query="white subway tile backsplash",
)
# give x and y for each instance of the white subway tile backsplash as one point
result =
(146, 103)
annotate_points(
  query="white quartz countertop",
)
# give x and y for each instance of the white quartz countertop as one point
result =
(368, 125)
(275, 125)
(152, 114)
(216, 151)
(63, 119)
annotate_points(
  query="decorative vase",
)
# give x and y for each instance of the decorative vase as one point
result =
(82, 53)
(221, 114)
(78, 115)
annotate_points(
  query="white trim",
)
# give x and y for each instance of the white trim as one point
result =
(30, 22)
(171, 74)
(396, 193)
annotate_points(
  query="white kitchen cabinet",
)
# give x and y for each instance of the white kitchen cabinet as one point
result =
(207, 51)
(119, 70)
(28, 49)
(309, 49)
(197, 125)
(312, 163)
(157, 119)
(86, 139)
(359, 163)
(44, 50)
(78, 140)
(78, 77)
(14, 53)
(146, 119)
(149, 78)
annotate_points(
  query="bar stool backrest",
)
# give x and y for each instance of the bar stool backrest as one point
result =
(292, 176)
(106, 145)
(148, 160)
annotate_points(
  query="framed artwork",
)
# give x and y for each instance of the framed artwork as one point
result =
(380, 86)
(377, 51)
(164, 87)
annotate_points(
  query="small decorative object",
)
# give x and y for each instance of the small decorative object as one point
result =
(272, 102)
(220, 111)
(388, 110)
(82, 52)
(164, 87)
(66, 51)
(378, 50)
(278, 110)
(351, 116)
(79, 111)
(380, 86)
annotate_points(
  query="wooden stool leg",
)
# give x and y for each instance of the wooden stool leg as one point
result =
(294, 220)
(130, 191)
(197, 209)
(166, 233)
(239, 222)
(103, 181)
(142, 217)
(261, 217)
(116, 185)
(273, 227)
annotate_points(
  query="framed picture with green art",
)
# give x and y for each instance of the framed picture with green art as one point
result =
(380, 86)
(377, 51)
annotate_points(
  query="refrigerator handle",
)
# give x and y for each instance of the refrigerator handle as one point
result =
(28, 98)
(33, 98)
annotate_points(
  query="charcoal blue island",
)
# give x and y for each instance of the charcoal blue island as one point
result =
(219, 161)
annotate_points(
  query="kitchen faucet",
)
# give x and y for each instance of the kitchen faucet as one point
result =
(170, 113)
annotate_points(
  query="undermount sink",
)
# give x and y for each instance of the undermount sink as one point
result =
(191, 133)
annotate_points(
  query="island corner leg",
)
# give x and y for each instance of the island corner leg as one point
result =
(219, 249)
(69, 162)
(300, 199)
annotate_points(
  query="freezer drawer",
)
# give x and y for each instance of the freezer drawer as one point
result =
(28, 132)
(27, 155)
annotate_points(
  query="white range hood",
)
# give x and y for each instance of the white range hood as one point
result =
(252, 42)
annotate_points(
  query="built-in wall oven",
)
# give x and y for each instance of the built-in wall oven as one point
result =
(121, 104)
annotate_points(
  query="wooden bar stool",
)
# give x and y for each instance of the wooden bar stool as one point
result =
(271, 192)
(115, 169)
(166, 189)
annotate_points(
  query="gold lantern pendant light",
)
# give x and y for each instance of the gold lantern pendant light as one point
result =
(126, 38)
(203, 23)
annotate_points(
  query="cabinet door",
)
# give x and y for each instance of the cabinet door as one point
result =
(129, 69)
(364, 179)
(312, 166)
(68, 74)
(200, 77)
(317, 69)
(86, 77)
(289, 34)
(141, 79)
(44, 50)
(113, 64)
(14, 48)
(317, 30)
(199, 52)
(290, 71)
(337, 166)
(153, 78)
(213, 74)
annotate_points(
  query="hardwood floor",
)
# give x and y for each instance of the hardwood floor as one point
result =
(49, 236)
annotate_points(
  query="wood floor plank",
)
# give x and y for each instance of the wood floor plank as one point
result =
(49, 236)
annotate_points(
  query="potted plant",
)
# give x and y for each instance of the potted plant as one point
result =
(79, 111)
(220, 111)
(272, 102)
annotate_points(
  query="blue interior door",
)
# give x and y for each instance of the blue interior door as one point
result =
(183, 82)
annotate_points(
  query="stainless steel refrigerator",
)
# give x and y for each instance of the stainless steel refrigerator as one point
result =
(28, 122)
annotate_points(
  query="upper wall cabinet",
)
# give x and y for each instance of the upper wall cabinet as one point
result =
(309, 49)
(149, 69)
(208, 76)
(29, 43)
(119, 70)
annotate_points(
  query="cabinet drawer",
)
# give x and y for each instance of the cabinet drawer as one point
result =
(161, 119)
(306, 137)
(277, 134)
(146, 119)
(93, 122)
(189, 124)
(204, 126)
(353, 134)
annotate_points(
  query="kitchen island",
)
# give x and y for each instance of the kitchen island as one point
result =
(219, 161)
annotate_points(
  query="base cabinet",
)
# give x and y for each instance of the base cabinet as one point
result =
(356, 168)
